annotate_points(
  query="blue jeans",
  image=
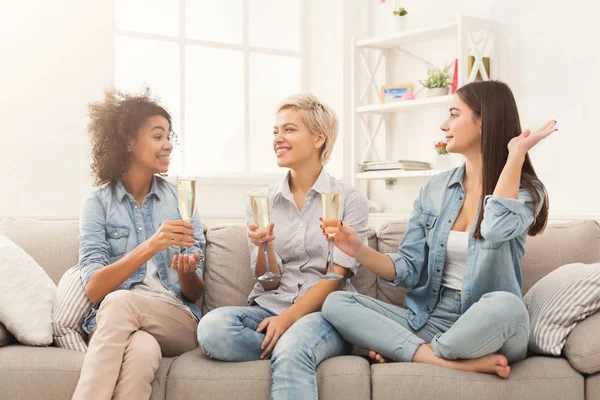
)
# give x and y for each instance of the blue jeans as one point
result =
(497, 323)
(229, 334)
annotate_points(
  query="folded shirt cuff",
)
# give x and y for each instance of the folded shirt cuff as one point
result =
(395, 257)
(87, 271)
(344, 260)
(500, 205)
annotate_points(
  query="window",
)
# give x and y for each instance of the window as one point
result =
(221, 68)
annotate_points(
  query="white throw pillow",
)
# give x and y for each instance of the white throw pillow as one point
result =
(26, 296)
(70, 309)
(558, 301)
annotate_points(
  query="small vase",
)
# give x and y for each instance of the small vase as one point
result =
(441, 91)
(397, 23)
(443, 161)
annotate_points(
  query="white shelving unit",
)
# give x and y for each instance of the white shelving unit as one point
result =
(409, 37)
(473, 37)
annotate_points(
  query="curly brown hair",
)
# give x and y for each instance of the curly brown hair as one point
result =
(114, 122)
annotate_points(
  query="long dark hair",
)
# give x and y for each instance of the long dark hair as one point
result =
(494, 103)
(113, 122)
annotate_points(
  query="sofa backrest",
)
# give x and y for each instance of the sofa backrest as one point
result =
(52, 244)
(561, 243)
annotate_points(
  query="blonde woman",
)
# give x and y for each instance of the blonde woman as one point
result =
(282, 320)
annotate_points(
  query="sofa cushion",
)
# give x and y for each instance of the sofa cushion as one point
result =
(583, 346)
(50, 373)
(69, 312)
(558, 301)
(560, 244)
(27, 296)
(5, 336)
(52, 244)
(542, 378)
(159, 384)
(194, 376)
(345, 377)
(592, 387)
(227, 271)
(38, 372)
(388, 241)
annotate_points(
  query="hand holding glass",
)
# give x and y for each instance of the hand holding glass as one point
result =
(259, 201)
(330, 202)
(186, 197)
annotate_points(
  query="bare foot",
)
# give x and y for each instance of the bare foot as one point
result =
(491, 364)
(378, 358)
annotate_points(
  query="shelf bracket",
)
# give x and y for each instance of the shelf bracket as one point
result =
(390, 182)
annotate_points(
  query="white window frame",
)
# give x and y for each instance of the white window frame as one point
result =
(239, 178)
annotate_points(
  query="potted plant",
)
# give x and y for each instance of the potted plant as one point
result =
(437, 81)
(442, 158)
(397, 19)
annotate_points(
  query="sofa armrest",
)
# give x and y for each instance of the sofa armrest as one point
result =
(583, 345)
(5, 336)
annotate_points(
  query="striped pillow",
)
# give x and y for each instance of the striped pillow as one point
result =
(557, 302)
(70, 308)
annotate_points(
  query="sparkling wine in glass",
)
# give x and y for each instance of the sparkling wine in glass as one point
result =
(186, 197)
(330, 202)
(259, 201)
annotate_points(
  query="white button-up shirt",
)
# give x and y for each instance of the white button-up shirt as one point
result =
(300, 247)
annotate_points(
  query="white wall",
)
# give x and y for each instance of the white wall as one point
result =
(56, 57)
(552, 69)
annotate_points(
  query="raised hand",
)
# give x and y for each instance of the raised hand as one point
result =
(521, 144)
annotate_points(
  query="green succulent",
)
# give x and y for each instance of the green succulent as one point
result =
(437, 78)
(401, 12)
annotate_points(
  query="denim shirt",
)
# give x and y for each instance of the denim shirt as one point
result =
(112, 224)
(493, 262)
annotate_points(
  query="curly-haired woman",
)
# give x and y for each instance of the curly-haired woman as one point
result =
(131, 234)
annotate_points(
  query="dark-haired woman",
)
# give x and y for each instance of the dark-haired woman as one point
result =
(131, 264)
(460, 254)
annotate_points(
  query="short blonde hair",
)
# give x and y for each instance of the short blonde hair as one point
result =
(317, 117)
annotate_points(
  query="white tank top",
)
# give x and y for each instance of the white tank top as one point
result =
(456, 259)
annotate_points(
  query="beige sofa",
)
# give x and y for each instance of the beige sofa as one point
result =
(30, 373)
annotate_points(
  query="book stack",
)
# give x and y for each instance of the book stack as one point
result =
(406, 165)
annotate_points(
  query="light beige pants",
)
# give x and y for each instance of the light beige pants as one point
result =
(132, 334)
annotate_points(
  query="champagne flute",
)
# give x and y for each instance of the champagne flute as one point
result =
(330, 202)
(186, 197)
(259, 201)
